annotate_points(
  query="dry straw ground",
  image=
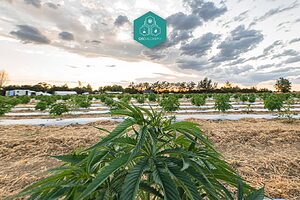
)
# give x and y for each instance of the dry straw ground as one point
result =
(265, 152)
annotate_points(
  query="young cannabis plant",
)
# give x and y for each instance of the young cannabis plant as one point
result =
(147, 156)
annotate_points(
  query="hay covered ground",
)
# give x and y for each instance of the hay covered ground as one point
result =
(265, 152)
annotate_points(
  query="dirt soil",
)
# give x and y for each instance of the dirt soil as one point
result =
(265, 152)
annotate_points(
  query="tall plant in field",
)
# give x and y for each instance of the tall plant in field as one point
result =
(81, 101)
(147, 156)
(5, 107)
(251, 99)
(198, 100)
(58, 109)
(152, 97)
(273, 102)
(222, 102)
(170, 104)
(140, 99)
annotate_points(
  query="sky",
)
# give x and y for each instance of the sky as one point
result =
(246, 42)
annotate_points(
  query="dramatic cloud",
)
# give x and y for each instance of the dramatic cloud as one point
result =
(270, 48)
(261, 67)
(96, 42)
(292, 60)
(30, 34)
(181, 21)
(52, 5)
(121, 20)
(199, 47)
(240, 41)
(35, 3)
(195, 64)
(241, 16)
(274, 12)
(288, 52)
(66, 36)
(154, 54)
(294, 40)
(206, 10)
(238, 69)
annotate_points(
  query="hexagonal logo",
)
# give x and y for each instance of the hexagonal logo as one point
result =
(150, 30)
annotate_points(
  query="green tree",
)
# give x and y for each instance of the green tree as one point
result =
(283, 85)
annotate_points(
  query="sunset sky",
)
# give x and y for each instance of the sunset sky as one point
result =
(248, 42)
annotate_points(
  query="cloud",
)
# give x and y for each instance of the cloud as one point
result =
(292, 60)
(195, 64)
(153, 54)
(66, 36)
(271, 47)
(111, 66)
(35, 3)
(266, 66)
(238, 69)
(294, 40)
(241, 16)
(30, 34)
(181, 21)
(288, 52)
(52, 5)
(206, 10)
(274, 12)
(199, 47)
(121, 20)
(93, 42)
(240, 41)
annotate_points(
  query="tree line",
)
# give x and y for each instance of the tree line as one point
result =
(203, 86)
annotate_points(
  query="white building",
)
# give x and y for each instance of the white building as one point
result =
(25, 93)
(20, 93)
(63, 93)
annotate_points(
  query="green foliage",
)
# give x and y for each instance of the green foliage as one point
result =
(188, 96)
(109, 101)
(81, 101)
(244, 97)
(13, 101)
(140, 99)
(198, 100)
(42, 105)
(222, 102)
(273, 102)
(58, 109)
(66, 97)
(48, 99)
(283, 85)
(147, 155)
(170, 104)
(251, 98)
(152, 97)
(5, 107)
(24, 99)
(126, 98)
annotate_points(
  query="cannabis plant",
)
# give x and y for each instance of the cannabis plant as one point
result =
(152, 97)
(273, 102)
(170, 103)
(147, 156)
(58, 109)
(222, 102)
(198, 100)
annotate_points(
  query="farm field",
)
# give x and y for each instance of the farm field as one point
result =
(85, 109)
(258, 134)
(265, 152)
